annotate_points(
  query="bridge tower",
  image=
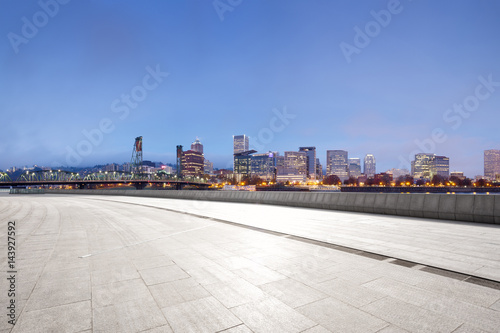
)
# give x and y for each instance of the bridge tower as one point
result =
(136, 161)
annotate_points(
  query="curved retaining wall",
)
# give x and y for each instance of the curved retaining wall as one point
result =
(460, 207)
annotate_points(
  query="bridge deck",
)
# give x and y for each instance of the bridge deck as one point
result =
(133, 264)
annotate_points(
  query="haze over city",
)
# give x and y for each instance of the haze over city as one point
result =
(389, 78)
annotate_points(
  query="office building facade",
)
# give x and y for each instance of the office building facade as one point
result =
(369, 166)
(240, 143)
(264, 165)
(491, 163)
(426, 166)
(310, 161)
(193, 164)
(337, 164)
(243, 163)
(354, 167)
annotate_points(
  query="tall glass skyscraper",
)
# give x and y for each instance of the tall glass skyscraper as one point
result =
(311, 161)
(491, 163)
(240, 143)
(370, 165)
(354, 167)
(264, 165)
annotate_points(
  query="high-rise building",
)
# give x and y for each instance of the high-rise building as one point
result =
(295, 163)
(208, 167)
(426, 166)
(292, 167)
(370, 165)
(491, 163)
(310, 162)
(243, 163)
(193, 164)
(337, 164)
(264, 165)
(319, 170)
(354, 167)
(240, 143)
(280, 165)
(197, 146)
(421, 166)
(440, 166)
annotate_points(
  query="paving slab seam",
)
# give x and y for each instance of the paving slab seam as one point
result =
(478, 280)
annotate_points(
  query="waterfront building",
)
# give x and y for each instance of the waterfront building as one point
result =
(354, 167)
(337, 164)
(310, 161)
(491, 163)
(370, 166)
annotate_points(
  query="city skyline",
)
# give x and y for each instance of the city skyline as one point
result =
(241, 144)
(77, 91)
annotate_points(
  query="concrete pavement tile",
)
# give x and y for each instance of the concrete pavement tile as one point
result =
(211, 274)
(214, 252)
(114, 274)
(317, 329)
(235, 292)
(202, 315)
(411, 317)
(118, 292)
(159, 329)
(477, 316)
(131, 316)
(348, 292)
(315, 261)
(163, 274)
(473, 315)
(496, 306)
(258, 274)
(402, 291)
(235, 262)
(175, 292)
(193, 262)
(306, 275)
(271, 315)
(467, 292)
(67, 264)
(392, 329)
(74, 317)
(466, 328)
(238, 329)
(48, 295)
(51, 276)
(273, 262)
(492, 273)
(337, 316)
(152, 262)
(357, 276)
(293, 293)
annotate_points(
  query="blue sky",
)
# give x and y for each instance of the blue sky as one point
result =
(66, 69)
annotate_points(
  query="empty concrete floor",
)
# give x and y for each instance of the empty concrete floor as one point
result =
(115, 264)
